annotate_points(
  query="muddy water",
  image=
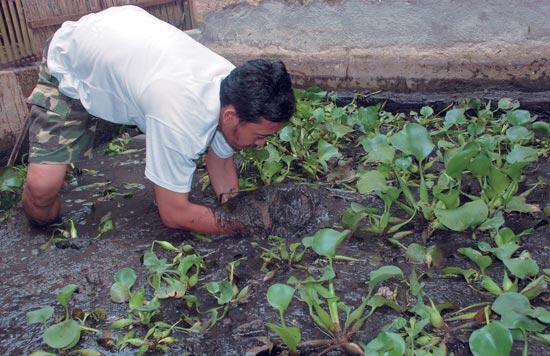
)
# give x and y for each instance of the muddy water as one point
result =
(30, 275)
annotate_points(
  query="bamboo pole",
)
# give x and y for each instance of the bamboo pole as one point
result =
(5, 38)
(22, 52)
(27, 42)
(11, 31)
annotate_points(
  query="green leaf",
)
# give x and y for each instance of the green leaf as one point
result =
(65, 294)
(518, 133)
(105, 224)
(63, 335)
(279, 296)
(367, 118)
(385, 344)
(126, 277)
(454, 117)
(491, 340)
(478, 166)
(541, 314)
(458, 162)
(371, 181)
(426, 111)
(378, 149)
(124, 280)
(290, 335)
(222, 291)
(519, 117)
(506, 236)
(353, 215)
(137, 299)
(520, 154)
(468, 274)
(286, 134)
(119, 293)
(518, 203)
(507, 104)
(403, 163)
(326, 151)
(166, 245)
(523, 266)
(416, 253)
(534, 288)
(489, 285)
(414, 140)
(121, 323)
(41, 315)
(513, 309)
(481, 261)
(383, 274)
(10, 179)
(541, 127)
(468, 215)
(503, 252)
(338, 129)
(41, 353)
(325, 241)
(493, 223)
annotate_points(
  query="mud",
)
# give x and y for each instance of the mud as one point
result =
(30, 275)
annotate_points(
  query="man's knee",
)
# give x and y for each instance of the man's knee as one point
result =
(43, 184)
(40, 193)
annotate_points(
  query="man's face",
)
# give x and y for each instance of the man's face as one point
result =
(241, 134)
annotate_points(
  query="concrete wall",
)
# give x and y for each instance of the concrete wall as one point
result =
(391, 45)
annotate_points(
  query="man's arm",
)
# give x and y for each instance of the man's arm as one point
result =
(223, 175)
(177, 212)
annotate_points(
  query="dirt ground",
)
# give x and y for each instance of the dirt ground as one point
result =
(30, 275)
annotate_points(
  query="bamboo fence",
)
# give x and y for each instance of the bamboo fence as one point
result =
(17, 44)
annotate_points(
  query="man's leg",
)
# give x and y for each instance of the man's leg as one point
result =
(40, 194)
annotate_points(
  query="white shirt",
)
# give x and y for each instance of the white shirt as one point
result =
(128, 67)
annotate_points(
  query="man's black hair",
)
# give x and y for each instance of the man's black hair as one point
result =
(259, 89)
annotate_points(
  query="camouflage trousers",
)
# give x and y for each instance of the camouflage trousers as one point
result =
(61, 130)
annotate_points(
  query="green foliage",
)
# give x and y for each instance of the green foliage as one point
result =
(516, 312)
(492, 340)
(413, 140)
(279, 297)
(11, 186)
(65, 334)
(468, 215)
(41, 315)
(383, 274)
(124, 280)
(387, 344)
(325, 241)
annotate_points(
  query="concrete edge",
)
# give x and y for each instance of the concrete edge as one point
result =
(460, 68)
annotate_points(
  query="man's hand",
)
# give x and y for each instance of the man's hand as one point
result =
(224, 197)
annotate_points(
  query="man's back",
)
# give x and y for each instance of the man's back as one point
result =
(109, 60)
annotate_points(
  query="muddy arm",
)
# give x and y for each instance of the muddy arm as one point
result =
(177, 212)
(223, 176)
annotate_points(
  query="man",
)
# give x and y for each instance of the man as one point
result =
(125, 66)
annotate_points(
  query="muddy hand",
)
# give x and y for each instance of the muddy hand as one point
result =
(252, 218)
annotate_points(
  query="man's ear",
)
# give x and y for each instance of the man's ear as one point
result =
(229, 116)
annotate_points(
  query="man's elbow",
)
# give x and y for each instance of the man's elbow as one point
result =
(170, 220)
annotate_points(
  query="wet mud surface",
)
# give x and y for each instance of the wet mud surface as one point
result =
(30, 275)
